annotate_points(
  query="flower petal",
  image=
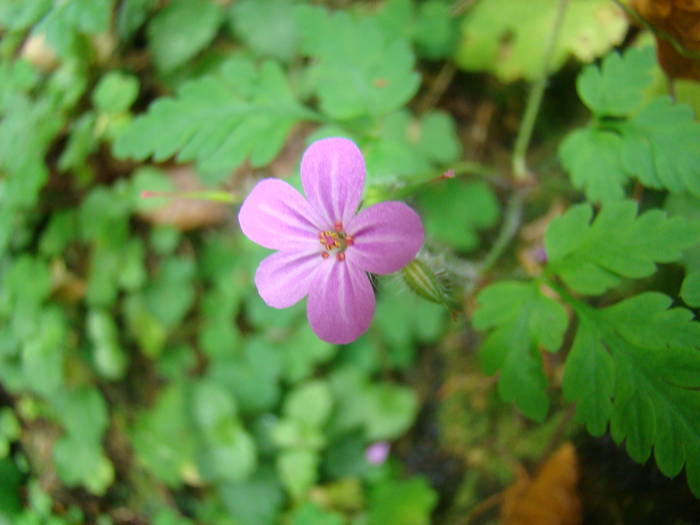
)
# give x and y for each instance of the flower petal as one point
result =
(341, 302)
(277, 216)
(386, 237)
(284, 278)
(333, 176)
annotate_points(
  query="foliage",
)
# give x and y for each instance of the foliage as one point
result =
(505, 37)
(140, 370)
(651, 139)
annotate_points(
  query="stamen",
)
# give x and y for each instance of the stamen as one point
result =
(325, 255)
(335, 242)
(341, 257)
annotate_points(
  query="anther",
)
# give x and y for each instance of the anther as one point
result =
(324, 255)
(348, 241)
(341, 257)
(338, 226)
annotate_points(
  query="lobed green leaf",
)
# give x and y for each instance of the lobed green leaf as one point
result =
(219, 120)
(520, 319)
(180, 30)
(592, 257)
(636, 365)
(617, 86)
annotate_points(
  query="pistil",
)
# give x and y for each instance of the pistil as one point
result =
(335, 241)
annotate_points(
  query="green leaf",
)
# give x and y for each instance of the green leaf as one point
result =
(229, 457)
(219, 120)
(255, 501)
(298, 470)
(617, 86)
(659, 144)
(403, 318)
(83, 413)
(690, 291)
(662, 147)
(267, 27)
(131, 15)
(394, 502)
(361, 70)
(686, 206)
(110, 359)
(228, 453)
(10, 502)
(82, 142)
(410, 148)
(149, 332)
(302, 352)
(60, 232)
(311, 514)
(592, 158)
(83, 463)
(115, 92)
(592, 257)
(435, 29)
(297, 434)
(10, 431)
(78, 454)
(167, 516)
(162, 438)
(429, 24)
(67, 21)
(253, 377)
(180, 30)
(43, 353)
(170, 294)
(454, 211)
(506, 37)
(520, 319)
(26, 131)
(389, 410)
(310, 403)
(637, 364)
(18, 15)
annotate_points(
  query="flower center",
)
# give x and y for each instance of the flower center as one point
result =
(335, 242)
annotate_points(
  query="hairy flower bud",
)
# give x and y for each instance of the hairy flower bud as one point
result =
(425, 282)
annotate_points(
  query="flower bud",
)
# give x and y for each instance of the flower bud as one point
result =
(425, 282)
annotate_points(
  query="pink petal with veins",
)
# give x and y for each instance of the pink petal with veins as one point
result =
(341, 302)
(276, 216)
(333, 177)
(386, 237)
(284, 278)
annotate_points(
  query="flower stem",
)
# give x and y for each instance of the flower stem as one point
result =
(214, 196)
(534, 100)
(509, 227)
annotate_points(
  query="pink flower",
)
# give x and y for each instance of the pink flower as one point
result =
(377, 453)
(325, 248)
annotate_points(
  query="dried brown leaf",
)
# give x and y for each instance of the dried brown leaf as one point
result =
(550, 498)
(679, 20)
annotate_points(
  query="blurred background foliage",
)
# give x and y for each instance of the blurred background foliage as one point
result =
(143, 380)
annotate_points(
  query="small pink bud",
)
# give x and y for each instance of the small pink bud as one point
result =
(449, 174)
(146, 194)
(377, 453)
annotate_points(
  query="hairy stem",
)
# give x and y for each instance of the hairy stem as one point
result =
(509, 227)
(534, 100)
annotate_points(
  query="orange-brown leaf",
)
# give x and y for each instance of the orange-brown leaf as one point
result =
(680, 19)
(550, 498)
